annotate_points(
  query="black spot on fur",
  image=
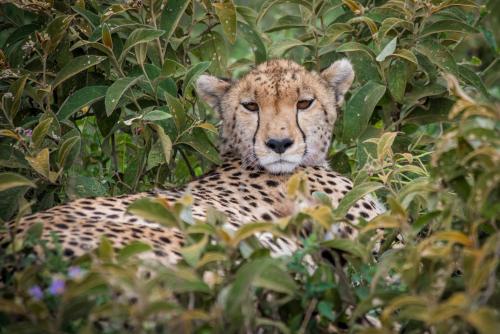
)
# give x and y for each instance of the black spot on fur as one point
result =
(272, 183)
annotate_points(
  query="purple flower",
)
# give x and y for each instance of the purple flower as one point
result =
(75, 272)
(35, 292)
(56, 287)
(28, 132)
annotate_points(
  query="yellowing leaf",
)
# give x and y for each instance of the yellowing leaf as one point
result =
(296, 184)
(154, 210)
(40, 131)
(40, 163)
(208, 126)
(210, 257)
(12, 180)
(9, 133)
(193, 252)
(166, 143)
(485, 320)
(226, 12)
(353, 196)
(248, 230)
(321, 214)
(384, 145)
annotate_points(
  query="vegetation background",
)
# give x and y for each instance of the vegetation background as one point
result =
(97, 100)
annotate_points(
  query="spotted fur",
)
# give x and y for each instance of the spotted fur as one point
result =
(251, 183)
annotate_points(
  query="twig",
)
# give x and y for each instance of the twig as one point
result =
(114, 158)
(191, 171)
(307, 317)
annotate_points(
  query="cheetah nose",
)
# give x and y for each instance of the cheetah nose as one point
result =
(279, 145)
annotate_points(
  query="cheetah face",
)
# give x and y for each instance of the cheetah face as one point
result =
(279, 116)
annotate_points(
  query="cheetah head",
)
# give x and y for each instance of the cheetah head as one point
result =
(279, 115)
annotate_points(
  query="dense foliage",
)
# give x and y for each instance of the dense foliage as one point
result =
(97, 99)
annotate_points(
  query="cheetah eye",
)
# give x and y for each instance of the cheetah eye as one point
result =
(304, 104)
(250, 106)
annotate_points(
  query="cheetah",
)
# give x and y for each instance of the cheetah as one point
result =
(276, 120)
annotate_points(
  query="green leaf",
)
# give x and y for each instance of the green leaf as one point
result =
(171, 16)
(172, 68)
(69, 148)
(193, 72)
(177, 110)
(355, 46)
(407, 55)
(390, 24)
(17, 90)
(91, 18)
(276, 279)
(81, 98)
(448, 26)
(365, 67)
(11, 180)
(250, 229)
(439, 55)
(105, 251)
(274, 323)
(166, 143)
(182, 280)
(359, 109)
(75, 66)
(193, 252)
(334, 32)
(353, 196)
(348, 246)
(56, 30)
(227, 17)
(245, 278)
(199, 141)
(282, 47)
(116, 90)
(396, 79)
(156, 115)
(266, 6)
(387, 50)
(154, 210)
(132, 249)
(472, 78)
(254, 38)
(420, 92)
(137, 36)
(85, 186)
(40, 131)
(326, 310)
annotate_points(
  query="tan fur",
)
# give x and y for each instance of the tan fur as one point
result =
(243, 187)
(277, 86)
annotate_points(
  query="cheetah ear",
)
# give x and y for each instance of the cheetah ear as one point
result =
(211, 89)
(339, 75)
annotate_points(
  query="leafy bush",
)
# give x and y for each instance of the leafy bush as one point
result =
(97, 99)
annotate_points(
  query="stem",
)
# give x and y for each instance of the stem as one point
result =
(191, 171)
(44, 69)
(147, 147)
(158, 44)
(493, 63)
(307, 317)
(114, 158)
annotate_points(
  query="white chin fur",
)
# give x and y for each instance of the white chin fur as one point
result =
(281, 167)
(280, 164)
